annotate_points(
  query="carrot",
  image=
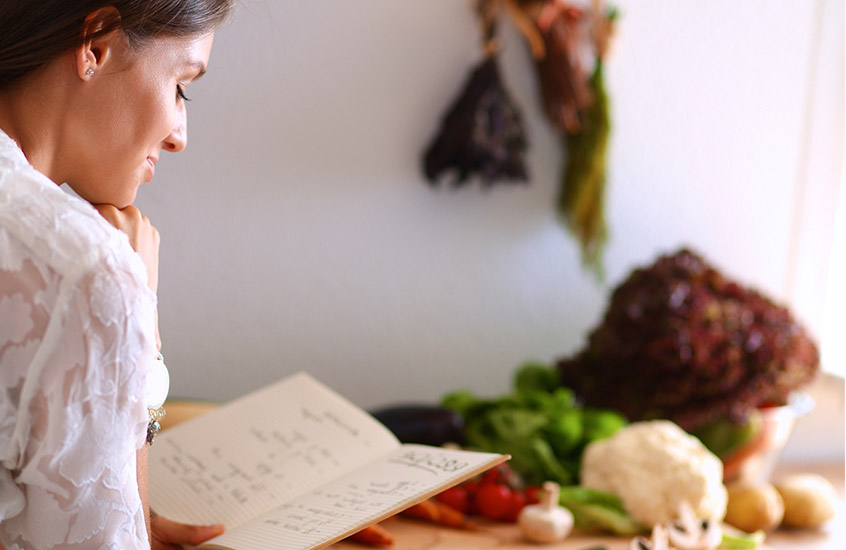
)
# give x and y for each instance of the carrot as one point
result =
(373, 535)
(438, 512)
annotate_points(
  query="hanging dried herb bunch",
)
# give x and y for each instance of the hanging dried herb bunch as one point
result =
(581, 202)
(581, 199)
(560, 64)
(576, 105)
(482, 132)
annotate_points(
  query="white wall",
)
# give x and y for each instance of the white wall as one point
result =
(298, 232)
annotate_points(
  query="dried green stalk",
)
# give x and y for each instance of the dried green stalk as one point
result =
(581, 203)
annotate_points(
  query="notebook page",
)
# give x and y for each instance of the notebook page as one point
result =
(369, 494)
(249, 456)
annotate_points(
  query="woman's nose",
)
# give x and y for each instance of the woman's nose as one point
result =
(178, 137)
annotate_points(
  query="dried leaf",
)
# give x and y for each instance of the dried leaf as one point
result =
(564, 82)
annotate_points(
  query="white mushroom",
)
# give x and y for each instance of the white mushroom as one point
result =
(692, 533)
(659, 540)
(547, 521)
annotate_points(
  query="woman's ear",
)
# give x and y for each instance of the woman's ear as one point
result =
(99, 36)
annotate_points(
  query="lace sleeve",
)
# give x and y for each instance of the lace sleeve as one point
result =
(73, 414)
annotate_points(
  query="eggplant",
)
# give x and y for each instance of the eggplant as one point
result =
(423, 424)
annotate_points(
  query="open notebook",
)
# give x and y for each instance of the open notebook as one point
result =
(294, 466)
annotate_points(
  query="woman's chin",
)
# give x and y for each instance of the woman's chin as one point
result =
(124, 196)
(127, 201)
(118, 200)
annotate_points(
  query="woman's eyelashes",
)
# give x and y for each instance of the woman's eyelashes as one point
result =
(180, 93)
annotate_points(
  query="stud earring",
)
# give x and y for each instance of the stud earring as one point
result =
(89, 72)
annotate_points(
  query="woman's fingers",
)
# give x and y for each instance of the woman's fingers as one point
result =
(143, 237)
(171, 534)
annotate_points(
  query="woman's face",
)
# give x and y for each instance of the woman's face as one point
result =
(132, 108)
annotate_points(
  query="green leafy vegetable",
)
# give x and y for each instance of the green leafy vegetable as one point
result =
(599, 424)
(598, 510)
(539, 424)
(545, 430)
(724, 435)
(742, 541)
(536, 376)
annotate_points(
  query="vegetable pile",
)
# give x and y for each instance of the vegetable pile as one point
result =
(656, 468)
(539, 424)
(680, 341)
(545, 431)
(501, 495)
(546, 521)
(798, 501)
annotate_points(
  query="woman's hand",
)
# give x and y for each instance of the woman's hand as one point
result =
(170, 535)
(144, 239)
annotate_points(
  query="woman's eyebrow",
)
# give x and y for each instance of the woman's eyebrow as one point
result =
(199, 67)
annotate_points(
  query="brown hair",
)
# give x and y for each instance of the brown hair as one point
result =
(34, 32)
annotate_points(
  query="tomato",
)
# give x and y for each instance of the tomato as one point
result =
(501, 475)
(455, 497)
(471, 486)
(517, 502)
(532, 494)
(493, 476)
(493, 501)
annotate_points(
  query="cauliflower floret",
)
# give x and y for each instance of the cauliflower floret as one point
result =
(653, 467)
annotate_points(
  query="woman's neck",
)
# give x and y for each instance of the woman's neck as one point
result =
(31, 113)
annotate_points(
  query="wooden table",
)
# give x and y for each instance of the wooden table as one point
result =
(415, 535)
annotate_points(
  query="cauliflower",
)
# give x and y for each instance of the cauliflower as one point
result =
(653, 467)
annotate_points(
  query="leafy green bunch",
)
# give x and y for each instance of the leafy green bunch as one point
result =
(540, 424)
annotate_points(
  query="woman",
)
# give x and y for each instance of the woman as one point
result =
(91, 93)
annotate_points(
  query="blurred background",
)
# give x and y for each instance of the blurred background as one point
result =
(298, 232)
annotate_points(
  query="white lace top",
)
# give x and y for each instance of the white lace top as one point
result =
(76, 342)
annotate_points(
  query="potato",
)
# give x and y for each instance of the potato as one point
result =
(809, 500)
(754, 508)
